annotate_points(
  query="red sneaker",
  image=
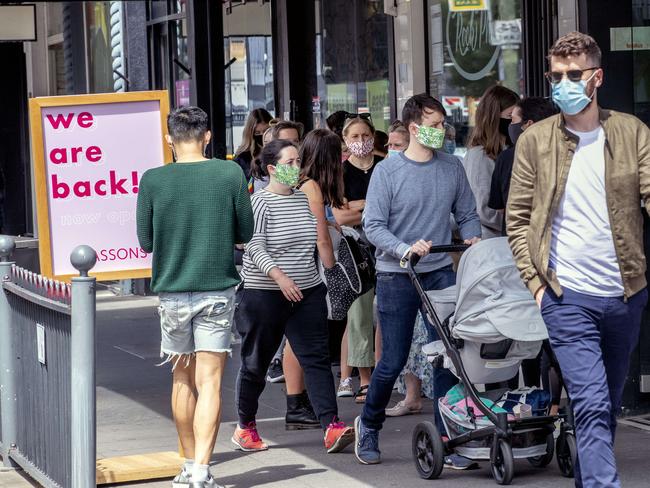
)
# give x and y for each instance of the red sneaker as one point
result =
(248, 439)
(338, 436)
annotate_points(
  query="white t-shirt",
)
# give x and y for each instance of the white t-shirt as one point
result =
(582, 246)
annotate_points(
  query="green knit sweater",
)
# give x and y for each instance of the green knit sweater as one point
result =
(190, 215)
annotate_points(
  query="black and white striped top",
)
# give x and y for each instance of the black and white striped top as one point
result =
(284, 236)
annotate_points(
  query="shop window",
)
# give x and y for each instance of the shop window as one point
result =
(99, 38)
(469, 51)
(170, 66)
(353, 49)
(248, 53)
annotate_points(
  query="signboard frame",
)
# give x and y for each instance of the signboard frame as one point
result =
(36, 105)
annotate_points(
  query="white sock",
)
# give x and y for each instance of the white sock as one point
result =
(200, 472)
(187, 466)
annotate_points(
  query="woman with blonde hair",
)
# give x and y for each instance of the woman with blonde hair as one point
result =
(252, 139)
(358, 339)
(487, 140)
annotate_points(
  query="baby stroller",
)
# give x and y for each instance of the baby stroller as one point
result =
(487, 323)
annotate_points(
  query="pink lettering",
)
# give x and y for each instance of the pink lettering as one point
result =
(85, 120)
(117, 186)
(60, 120)
(59, 155)
(82, 189)
(93, 154)
(74, 151)
(100, 188)
(59, 190)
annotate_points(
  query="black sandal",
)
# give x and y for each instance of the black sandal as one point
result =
(360, 396)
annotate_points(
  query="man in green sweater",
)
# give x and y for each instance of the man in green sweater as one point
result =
(190, 215)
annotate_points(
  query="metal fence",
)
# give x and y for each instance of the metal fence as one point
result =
(47, 372)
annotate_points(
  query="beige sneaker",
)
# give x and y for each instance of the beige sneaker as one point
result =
(401, 409)
(345, 388)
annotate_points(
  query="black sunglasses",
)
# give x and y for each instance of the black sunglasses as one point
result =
(556, 77)
(365, 116)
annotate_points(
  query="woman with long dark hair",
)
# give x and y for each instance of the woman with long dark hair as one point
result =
(283, 294)
(488, 139)
(252, 139)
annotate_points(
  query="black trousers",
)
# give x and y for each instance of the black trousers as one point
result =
(262, 318)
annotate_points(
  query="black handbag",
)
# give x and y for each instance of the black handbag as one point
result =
(364, 258)
(343, 282)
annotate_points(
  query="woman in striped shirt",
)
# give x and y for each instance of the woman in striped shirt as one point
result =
(283, 294)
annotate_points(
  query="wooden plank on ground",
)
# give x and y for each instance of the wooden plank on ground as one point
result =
(139, 467)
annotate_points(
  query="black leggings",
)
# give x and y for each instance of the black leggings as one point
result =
(262, 318)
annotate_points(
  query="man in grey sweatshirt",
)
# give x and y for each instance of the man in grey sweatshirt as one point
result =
(409, 201)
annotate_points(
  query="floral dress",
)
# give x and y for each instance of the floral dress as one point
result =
(417, 363)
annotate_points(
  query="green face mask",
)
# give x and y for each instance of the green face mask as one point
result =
(430, 136)
(286, 174)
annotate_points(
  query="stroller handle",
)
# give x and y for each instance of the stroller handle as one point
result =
(414, 259)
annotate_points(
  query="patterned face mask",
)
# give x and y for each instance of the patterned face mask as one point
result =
(287, 174)
(361, 149)
(430, 136)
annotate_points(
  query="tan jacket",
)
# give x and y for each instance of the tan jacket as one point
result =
(542, 161)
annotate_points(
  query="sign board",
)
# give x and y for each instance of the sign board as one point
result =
(453, 103)
(506, 32)
(629, 38)
(18, 22)
(89, 153)
(468, 5)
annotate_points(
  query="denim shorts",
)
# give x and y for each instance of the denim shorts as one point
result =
(196, 321)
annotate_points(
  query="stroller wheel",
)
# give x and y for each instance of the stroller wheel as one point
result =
(503, 464)
(428, 451)
(545, 459)
(566, 453)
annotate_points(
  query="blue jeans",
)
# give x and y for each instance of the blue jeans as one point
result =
(593, 338)
(397, 304)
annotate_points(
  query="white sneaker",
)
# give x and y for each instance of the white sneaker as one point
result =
(345, 388)
(209, 483)
(182, 479)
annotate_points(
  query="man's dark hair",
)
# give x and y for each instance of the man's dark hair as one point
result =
(414, 108)
(287, 125)
(575, 44)
(536, 109)
(187, 124)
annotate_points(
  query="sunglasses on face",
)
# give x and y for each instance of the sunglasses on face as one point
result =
(555, 77)
(365, 116)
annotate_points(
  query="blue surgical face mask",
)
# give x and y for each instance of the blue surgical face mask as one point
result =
(449, 146)
(393, 152)
(570, 96)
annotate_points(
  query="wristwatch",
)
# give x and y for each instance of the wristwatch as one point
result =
(403, 263)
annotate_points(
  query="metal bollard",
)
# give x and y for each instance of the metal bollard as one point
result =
(7, 366)
(82, 353)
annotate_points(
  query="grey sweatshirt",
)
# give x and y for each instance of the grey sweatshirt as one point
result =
(479, 168)
(408, 201)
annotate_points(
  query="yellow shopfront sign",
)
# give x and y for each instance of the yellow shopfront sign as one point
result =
(468, 5)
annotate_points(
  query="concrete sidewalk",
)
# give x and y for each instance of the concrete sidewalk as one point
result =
(134, 417)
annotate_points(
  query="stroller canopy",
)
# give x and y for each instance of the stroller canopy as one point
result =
(492, 302)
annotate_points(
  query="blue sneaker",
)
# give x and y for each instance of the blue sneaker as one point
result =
(366, 443)
(455, 461)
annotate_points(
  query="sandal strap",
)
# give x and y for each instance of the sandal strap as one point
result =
(363, 390)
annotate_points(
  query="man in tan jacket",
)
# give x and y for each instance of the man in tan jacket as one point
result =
(575, 225)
